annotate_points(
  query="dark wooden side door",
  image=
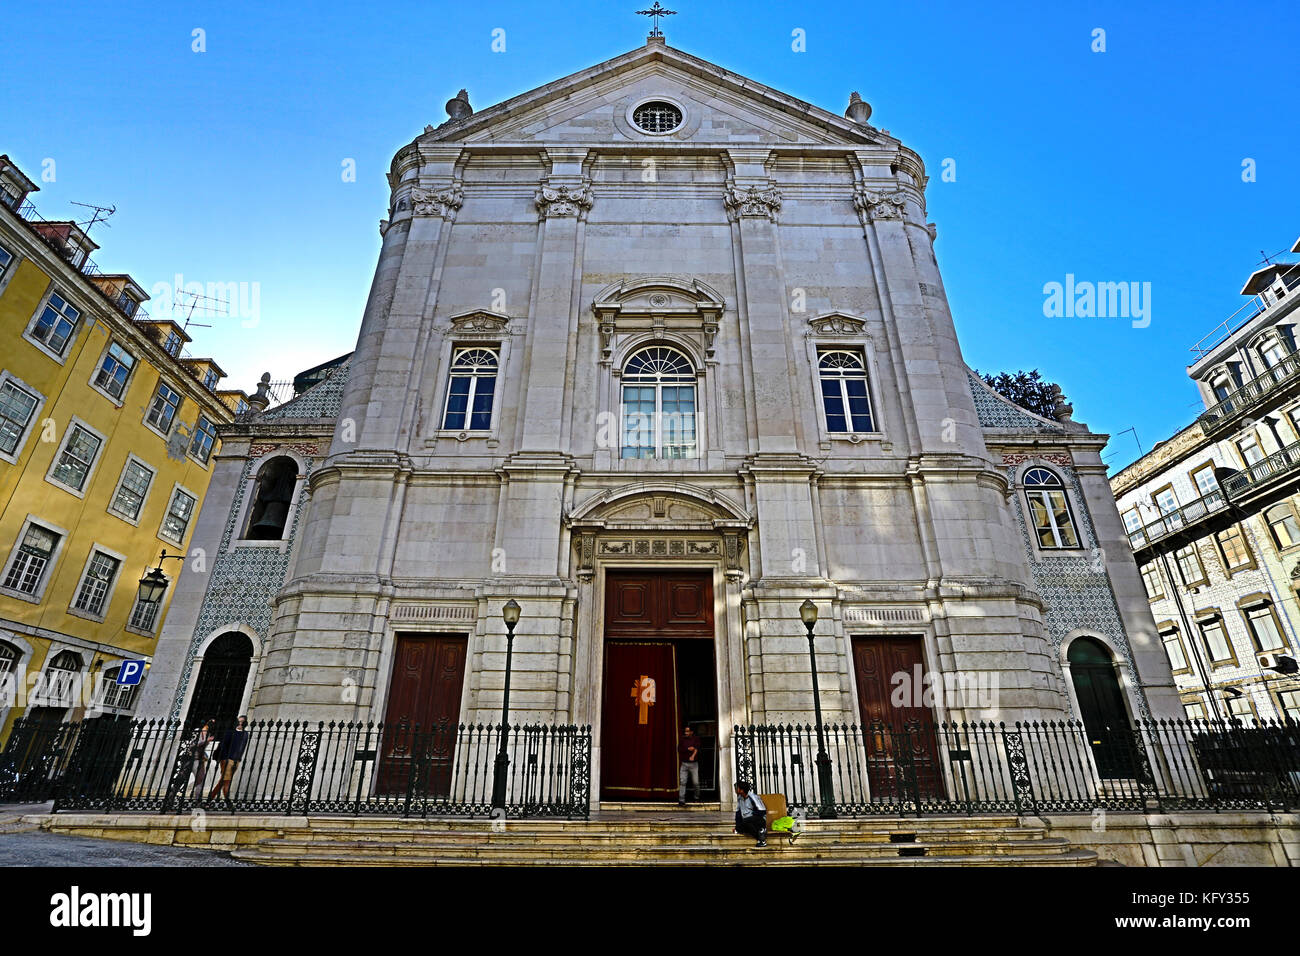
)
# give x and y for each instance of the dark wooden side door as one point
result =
(899, 733)
(423, 714)
(648, 615)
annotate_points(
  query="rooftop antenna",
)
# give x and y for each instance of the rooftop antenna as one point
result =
(1135, 438)
(194, 304)
(101, 214)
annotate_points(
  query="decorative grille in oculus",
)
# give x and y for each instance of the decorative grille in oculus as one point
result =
(657, 117)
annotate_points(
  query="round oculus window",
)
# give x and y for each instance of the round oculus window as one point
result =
(657, 117)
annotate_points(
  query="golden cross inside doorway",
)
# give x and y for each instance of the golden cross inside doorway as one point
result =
(643, 697)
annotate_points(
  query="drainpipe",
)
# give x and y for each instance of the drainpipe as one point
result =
(1187, 629)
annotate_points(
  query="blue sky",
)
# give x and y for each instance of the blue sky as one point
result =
(1123, 165)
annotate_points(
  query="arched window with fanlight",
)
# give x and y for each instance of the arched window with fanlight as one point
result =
(845, 397)
(659, 407)
(1049, 509)
(473, 384)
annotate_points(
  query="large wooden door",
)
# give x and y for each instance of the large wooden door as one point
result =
(648, 616)
(423, 713)
(639, 722)
(899, 728)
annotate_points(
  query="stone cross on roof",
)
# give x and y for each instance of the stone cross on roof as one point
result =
(654, 13)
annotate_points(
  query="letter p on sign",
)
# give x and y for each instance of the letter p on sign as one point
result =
(130, 672)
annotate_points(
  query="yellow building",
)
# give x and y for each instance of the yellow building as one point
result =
(107, 434)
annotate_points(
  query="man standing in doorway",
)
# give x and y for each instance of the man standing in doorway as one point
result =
(688, 752)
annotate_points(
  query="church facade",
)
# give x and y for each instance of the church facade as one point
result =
(659, 353)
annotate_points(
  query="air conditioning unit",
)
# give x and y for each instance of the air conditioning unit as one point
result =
(1267, 661)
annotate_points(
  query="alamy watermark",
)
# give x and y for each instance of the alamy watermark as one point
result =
(1103, 300)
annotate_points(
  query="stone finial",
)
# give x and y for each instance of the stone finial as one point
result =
(262, 397)
(859, 112)
(458, 106)
(1061, 410)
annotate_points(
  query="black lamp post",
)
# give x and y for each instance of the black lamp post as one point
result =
(509, 614)
(825, 780)
(154, 584)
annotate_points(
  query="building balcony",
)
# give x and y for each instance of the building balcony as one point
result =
(1267, 387)
(1187, 522)
(1264, 475)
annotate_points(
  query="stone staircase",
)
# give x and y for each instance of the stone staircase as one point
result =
(620, 838)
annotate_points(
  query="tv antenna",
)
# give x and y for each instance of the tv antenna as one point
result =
(100, 214)
(195, 299)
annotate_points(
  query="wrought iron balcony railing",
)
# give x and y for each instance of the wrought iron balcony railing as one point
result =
(1178, 519)
(1254, 393)
(1264, 472)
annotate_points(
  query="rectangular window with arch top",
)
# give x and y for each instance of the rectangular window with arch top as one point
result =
(469, 393)
(846, 400)
(658, 405)
(1049, 509)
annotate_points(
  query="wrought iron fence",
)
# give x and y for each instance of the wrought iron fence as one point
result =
(300, 768)
(1037, 767)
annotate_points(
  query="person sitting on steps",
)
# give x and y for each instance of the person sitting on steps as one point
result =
(751, 815)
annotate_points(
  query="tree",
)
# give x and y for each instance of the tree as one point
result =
(1029, 390)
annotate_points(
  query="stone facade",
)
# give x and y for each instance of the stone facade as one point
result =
(758, 234)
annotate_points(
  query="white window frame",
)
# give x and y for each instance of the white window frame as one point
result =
(6, 377)
(135, 628)
(7, 271)
(194, 513)
(457, 349)
(91, 467)
(37, 596)
(176, 412)
(861, 344)
(82, 320)
(658, 386)
(117, 400)
(1070, 506)
(73, 608)
(109, 685)
(861, 355)
(121, 479)
(194, 432)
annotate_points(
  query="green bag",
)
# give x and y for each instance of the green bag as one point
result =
(783, 825)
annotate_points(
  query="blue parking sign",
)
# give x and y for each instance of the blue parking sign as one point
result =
(130, 672)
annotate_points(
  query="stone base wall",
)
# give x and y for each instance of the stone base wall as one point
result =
(1184, 839)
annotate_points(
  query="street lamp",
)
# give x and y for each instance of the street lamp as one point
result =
(509, 614)
(154, 584)
(825, 781)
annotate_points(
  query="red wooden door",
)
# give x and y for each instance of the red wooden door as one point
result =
(897, 723)
(639, 722)
(423, 713)
(645, 612)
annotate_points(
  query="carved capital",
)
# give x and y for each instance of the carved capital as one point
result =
(442, 203)
(873, 205)
(562, 200)
(751, 201)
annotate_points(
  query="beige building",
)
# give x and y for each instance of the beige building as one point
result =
(1211, 514)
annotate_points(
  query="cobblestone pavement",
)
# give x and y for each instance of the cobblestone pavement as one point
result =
(37, 848)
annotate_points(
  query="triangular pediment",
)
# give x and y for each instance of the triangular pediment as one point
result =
(596, 106)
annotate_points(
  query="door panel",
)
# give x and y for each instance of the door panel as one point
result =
(900, 740)
(423, 713)
(646, 604)
(639, 722)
